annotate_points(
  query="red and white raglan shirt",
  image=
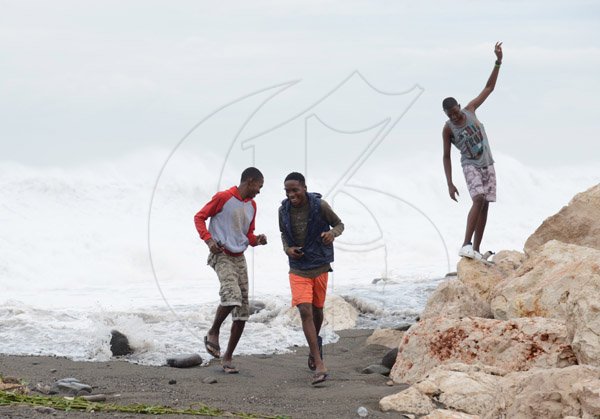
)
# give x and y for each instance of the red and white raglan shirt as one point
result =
(231, 221)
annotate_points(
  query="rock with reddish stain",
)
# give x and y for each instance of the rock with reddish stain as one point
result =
(515, 345)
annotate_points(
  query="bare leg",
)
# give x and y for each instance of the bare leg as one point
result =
(473, 217)
(310, 332)
(236, 333)
(317, 318)
(480, 228)
(220, 316)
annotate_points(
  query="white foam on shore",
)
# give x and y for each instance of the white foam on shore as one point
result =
(156, 333)
(74, 260)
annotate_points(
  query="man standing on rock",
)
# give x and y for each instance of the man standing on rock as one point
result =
(304, 221)
(464, 130)
(232, 214)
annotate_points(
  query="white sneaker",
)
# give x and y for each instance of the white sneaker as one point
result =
(487, 255)
(467, 251)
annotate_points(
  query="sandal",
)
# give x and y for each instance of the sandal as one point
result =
(319, 377)
(212, 348)
(230, 369)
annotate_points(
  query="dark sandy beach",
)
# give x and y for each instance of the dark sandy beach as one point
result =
(266, 384)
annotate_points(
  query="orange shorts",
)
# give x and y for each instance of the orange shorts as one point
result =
(309, 290)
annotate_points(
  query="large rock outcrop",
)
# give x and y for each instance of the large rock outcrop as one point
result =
(539, 356)
(550, 393)
(577, 223)
(482, 278)
(410, 401)
(454, 299)
(508, 261)
(545, 283)
(516, 345)
(467, 388)
(583, 319)
(493, 393)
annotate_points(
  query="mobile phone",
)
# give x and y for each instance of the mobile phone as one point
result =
(299, 250)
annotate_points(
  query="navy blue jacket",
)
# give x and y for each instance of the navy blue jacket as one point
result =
(315, 252)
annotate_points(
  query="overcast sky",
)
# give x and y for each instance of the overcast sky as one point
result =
(86, 81)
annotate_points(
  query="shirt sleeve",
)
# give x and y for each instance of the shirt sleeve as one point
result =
(281, 228)
(212, 207)
(250, 234)
(337, 227)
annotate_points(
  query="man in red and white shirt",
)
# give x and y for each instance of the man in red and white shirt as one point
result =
(232, 214)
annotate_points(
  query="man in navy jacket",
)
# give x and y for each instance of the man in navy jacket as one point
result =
(308, 228)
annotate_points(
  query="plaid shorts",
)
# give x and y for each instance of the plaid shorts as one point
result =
(233, 276)
(481, 181)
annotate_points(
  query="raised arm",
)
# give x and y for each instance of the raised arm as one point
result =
(491, 83)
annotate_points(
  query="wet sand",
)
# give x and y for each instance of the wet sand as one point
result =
(266, 384)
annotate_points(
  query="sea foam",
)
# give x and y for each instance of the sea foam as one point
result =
(85, 250)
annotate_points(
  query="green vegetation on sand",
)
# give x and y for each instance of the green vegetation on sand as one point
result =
(80, 404)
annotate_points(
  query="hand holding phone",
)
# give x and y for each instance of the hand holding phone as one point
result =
(295, 252)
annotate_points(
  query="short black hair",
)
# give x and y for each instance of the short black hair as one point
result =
(296, 176)
(449, 103)
(251, 173)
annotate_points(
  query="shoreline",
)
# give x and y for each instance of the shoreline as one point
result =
(277, 384)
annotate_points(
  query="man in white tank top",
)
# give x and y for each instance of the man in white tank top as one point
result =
(464, 130)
